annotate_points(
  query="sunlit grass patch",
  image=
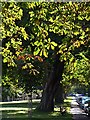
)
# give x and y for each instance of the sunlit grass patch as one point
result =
(69, 99)
(12, 108)
(67, 103)
(57, 109)
(19, 111)
(55, 114)
(13, 102)
(15, 114)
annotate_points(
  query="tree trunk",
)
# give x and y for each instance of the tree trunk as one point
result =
(47, 101)
(89, 90)
(59, 97)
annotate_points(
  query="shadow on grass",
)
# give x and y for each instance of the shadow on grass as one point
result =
(8, 114)
(67, 104)
(16, 105)
(56, 115)
(16, 118)
(35, 115)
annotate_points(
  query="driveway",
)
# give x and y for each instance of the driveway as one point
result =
(78, 114)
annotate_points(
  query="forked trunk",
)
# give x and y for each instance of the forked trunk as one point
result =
(47, 101)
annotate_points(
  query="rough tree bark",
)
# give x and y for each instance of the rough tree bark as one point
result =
(59, 97)
(89, 90)
(47, 101)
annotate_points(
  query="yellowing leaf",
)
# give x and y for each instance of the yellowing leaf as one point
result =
(24, 67)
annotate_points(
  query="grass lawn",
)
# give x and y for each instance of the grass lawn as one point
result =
(19, 111)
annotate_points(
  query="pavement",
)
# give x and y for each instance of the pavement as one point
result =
(78, 114)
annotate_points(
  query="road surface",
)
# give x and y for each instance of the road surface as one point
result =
(78, 114)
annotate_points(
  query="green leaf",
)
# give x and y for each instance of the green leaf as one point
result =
(71, 76)
(4, 60)
(41, 53)
(17, 53)
(52, 47)
(76, 33)
(54, 44)
(36, 52)
(45, 53)
(81, 37)
(51, 19)
(70, 3)
(65, 58)
(88, 18)
(36, 42)
(80, 18)
(24, 67)
(75, 64)
(71, 59)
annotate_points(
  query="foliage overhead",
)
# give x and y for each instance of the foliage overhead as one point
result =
(34, 24)
(36, 31)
